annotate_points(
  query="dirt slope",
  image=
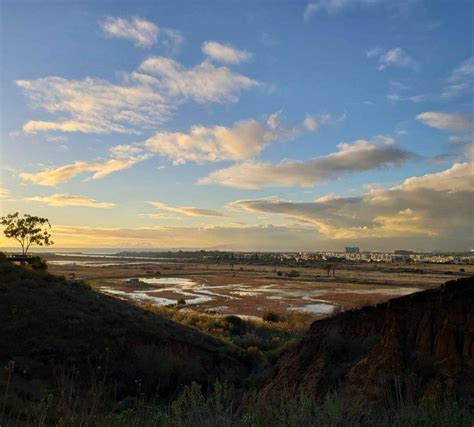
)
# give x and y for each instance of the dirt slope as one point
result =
(421, 345)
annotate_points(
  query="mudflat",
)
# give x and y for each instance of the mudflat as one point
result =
(253, 290)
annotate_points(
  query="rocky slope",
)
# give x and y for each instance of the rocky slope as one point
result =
(50, 325)
(401, 351)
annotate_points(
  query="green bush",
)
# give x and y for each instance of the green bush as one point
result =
(271, 316)
(37, 263)
(237, 325)
(293, 273)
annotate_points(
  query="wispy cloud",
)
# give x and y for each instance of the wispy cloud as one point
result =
(310, 123)
(139, 101)
(393, 57)
(94, 106)
(445, 121)
(337, 6)
(204, 83)
(141, 32)
(225, 52)
(394, 97)
(187, 210)
(237, 237)
(100, 169)
(461, 80)
(60, 200)
(359, 156)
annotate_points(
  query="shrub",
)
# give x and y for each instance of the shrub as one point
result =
(36, 263)
(181, 301)
(237, 325)
(253, 353)
(293, 273)
(271, 316)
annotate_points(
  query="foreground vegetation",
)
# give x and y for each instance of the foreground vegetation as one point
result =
(218, 407)
(265, 337)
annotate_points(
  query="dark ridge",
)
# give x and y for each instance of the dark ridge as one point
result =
(49, 324)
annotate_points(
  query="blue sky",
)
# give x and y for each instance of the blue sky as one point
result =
(247, 125)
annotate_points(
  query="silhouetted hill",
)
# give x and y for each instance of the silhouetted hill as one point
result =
(49, 325)
(410, 348)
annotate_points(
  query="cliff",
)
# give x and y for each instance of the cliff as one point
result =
(409, 348)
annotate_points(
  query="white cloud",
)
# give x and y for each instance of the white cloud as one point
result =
(393, 57)
(172, 40)
(413, 98)
(445, 121)
(203, 83)
(225, 52)
(273, 120)
(60, 200)
(332, 7)
(310, 123)
(433, 205)
(335, 6)
(139, 101)
(330, 120)
(201, 144)
(360, 156)
(243, 140)
(95, 106)
(126, 151)
(142, 32)
(187, 210)
(461, 80)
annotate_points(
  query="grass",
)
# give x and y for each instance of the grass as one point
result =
(217, 406)
(265, 335)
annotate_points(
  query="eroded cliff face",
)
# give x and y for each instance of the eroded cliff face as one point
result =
(407, 349)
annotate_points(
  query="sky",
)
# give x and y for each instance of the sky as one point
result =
(269, 125)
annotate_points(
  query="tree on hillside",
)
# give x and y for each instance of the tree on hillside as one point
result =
(27, 230)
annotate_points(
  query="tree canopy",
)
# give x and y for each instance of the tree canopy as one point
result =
(27, 230)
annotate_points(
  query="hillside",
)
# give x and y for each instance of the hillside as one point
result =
(73, 354)
(50, 325)
(409, 348)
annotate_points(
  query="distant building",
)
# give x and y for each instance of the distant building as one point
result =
(352, 250)
(403, 252)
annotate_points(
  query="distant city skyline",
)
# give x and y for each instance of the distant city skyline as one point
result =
(265, 126)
